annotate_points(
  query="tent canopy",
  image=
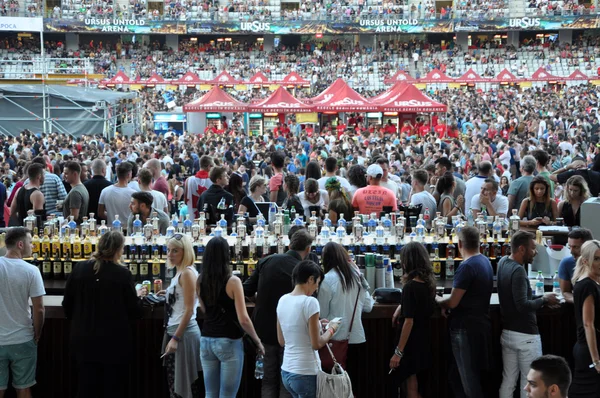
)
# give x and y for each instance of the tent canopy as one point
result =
(436, 76)
(399, 76)
(119, 78)
(410, 100)
(394, 90)
(336, 85)
(343, 99)
(506, 76)
(190, 79)
(224, 78)
(154, 79)
(294, 79)
(216, 100)
(471, 76)
(281, 101)
(578, 75)
(259, 78)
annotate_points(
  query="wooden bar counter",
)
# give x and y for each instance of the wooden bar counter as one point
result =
(56, 372)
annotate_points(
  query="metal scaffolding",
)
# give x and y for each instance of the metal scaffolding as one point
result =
(49, 74)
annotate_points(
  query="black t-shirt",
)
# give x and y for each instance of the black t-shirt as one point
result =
(476, 276)
(250, 205)
(582, 290)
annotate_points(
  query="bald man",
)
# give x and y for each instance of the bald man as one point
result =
(160, 182)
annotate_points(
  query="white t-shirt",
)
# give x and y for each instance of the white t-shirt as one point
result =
(160, 200)
(293, 313)
(19, 281)
(500, 204)
(116, 201)
(472, 188)
(323, 202)
(426, 199)
(343, 182)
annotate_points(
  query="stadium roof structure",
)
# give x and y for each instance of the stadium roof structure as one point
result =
(399, 76)
(281, 101)
(542, 75)
(294, 79)
(259, 79)
(409, 99)
(189, 79)
(505, 76)
(436, 76)
(343, 99)
(471, 76)
(216, 100)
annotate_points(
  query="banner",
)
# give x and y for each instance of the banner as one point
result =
(369, 25)
(114, 25)
(21, 24)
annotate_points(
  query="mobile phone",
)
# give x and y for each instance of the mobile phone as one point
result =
(336, 320)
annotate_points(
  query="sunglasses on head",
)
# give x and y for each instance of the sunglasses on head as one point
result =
(177, 236)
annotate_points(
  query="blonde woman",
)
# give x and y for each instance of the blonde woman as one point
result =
(586, 296)
(100, 301)
(181, 342)
(258, 187)
(576, 192)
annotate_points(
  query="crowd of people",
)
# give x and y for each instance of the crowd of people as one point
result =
(534, 151)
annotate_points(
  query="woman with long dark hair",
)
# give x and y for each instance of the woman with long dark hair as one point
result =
(357, 177)
(313, 170)
(100, 301)
(538, 208)
(225, 321)
(236, 188)
(340, 292)
(413, 349)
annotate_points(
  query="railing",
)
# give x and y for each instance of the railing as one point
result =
(46, 68)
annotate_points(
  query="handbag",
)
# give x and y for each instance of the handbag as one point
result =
(337, 347)
(249, 344)
(384, 295)
(334, 385)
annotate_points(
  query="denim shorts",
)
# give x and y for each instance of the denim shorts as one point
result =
(21, 359)
(300, 386)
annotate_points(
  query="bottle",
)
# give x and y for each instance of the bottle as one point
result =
(35, 243)
(485, 246)
(420, 229)
(77, 247)
(440, 226)
(506, 248)
(280, 245)
(46, 248)
(155, 265)
(340, 232)
(222, 224)
(202, 223)
(357, 228)
(539, 284)
(272, 215)
(57, 268)
(55, 246)
(437, 264)
(172, 227)
(342, 222)
(325, 235)
(30, 221)
(102, 229)
(427, 218)
(72, 225)
(259, 233)
(85, 227)
(87, 247)
(481, 225)
(514, 221)
(496, 248)
(379, 234)
(399, 232)
(155, 224)
(137, 226)
(278, 225)
(148, 230)
(556, 284)
(93, 225)
(259, 369)
(450, 263)
(47, 267)
(497, 227)
(187, 224)
(241, 228)
(116, 224)
(372, 224)
(389, 273)
(218, 231)
(387, 225)
(68, 265)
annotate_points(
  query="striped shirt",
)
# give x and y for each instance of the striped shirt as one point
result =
(53, 190)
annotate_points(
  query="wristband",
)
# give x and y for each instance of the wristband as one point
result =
(332, 332)
(398, 353)
(177, 339)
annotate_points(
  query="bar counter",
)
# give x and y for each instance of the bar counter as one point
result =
(56, 372)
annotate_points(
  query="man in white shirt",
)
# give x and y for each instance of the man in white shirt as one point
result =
(420, 196)
(385, 181)
(473, 185)
(144, 180)
(496, 205)
(331, 168)
(114, 200)
(19, 336)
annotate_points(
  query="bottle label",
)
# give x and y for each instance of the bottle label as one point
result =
(57, 268)
(87, 249)
(68, 267)
(437, 267)
(133, 268)
(155, 269)
(144, 269)
(47, 267)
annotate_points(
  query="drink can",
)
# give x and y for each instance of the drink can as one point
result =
(147, 285)
(158, 284)
(369, 260)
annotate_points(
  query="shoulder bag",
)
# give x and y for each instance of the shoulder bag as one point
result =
(334, 385)
(337, 347)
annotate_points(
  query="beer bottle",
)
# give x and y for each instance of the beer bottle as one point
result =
(68, 265)
(87, 247)
(47, 267)
(35, 242)
(77, 250)
(57, 267)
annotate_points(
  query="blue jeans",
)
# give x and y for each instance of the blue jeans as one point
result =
(467, 383)
(222, 364)
(300, 386)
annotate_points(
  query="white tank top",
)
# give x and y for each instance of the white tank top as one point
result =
(178, 306)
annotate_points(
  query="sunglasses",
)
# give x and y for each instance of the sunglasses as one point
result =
(177, 236)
